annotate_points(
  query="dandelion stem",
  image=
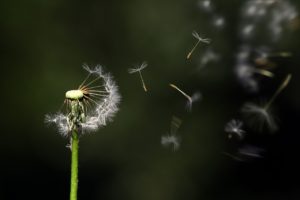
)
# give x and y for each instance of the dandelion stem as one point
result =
(74, 166)
(278, 91)
(144, 86)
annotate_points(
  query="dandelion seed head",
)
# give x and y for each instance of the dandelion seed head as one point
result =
(95, 104)
(234, 127)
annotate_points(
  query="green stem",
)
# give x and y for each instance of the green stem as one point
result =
(74, 166)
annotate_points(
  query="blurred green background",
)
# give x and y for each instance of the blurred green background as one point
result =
(43, 46)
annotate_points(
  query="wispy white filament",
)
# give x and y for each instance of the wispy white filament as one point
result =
(234, 127)
(171, 140)
(259, 117)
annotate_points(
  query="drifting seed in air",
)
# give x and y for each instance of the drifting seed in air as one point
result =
(172, 138)
(195, 97)
(203, 40)
(139, 69)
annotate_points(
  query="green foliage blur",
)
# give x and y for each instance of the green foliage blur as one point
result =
(43, 46)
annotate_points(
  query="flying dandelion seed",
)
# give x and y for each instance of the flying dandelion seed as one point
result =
(248, 30)
(263, 72)
(139, 69)
(262, 59)
(234, 157)
(175, 124)
(234, 128)
(245, 74)
(259, 116)
(264, 54)
(246, 153)
(282, 14)
(219, 22)
(90, 106)
(208, 56)
(190, 99)
(172, 139)
(278, 14)
(197, 96)
(203, 40)
(283, 54)
(205, 5)
(245, 70)
(251, 151)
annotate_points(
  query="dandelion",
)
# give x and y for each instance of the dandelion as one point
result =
(234, 127)
(203, 40)
(89, 107)
(261, 115)
(172, 139)
(190, 99)
(139, 69)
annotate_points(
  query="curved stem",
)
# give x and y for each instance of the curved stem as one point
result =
(74, 166)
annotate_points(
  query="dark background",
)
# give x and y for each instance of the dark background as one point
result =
(45, 42)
